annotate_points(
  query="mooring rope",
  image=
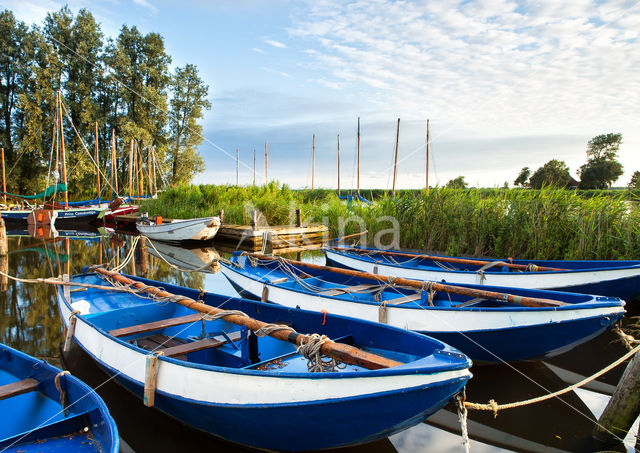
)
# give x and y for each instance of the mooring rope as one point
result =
(495, 407)
(317, 363)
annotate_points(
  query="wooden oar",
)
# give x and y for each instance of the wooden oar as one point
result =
(522, 300)
(342, 352)
(446, 259)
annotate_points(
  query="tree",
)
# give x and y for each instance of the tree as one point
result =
(523, 177)
(635, 180)
(13, 70)
(457, 183)
(554, 173)
(602, 169)
(189, 98)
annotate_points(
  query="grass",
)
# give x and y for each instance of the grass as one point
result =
(545, 224)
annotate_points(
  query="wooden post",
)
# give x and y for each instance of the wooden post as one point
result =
(4, 249)
(623, 407)
(149, 166)
(254, 166)
(97, 165)
(142, 257)
(113, 139)
(395, 160)
(338, 164)
(237, 167)
(221, 215)
(154, 190)
(254, 219)
(358, 169)
(4, 186)
(266, 167)
(298, 217)
(131, 169)
(4, 257)
(64, 165)
(313, 162)
(427, 181)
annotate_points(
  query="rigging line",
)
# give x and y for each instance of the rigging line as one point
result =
(444, 321)
(84, 145)
(108, 72)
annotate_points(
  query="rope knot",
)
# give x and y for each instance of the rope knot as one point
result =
(311, 350)
(532, 267)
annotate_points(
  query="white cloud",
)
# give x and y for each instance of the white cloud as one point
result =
(273, 71)
(146, 4)
(256, 49)
(275, 43)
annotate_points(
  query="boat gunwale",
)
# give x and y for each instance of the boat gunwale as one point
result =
(457, 360)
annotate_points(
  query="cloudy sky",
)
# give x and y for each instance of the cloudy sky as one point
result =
(505, 84)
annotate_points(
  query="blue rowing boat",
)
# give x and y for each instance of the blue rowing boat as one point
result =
(480, 321)
(220, 377)
(45, 409)
(604, 277)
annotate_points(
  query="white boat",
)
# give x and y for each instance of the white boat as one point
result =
(177, 230)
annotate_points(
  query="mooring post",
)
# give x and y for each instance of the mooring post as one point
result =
(623, 407)
(4, 249)
(298, 217)
(221, 215)
(4, 257)
(142, 257)
(254, 219)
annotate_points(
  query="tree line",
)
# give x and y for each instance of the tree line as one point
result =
(600, 171)
(125, 84)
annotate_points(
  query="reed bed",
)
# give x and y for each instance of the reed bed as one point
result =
(534, 224)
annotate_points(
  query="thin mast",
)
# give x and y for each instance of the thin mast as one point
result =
(4, 186)
(266, 167)
(237, 167)
(358, 178)
(97, 166)
(113, 137)
(254, 166)
(313, 162)
(395, 160)
(338, 164)
(427, 182)
(131, 169)
(64, 165)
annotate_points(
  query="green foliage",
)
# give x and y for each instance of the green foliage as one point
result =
(554, 173)
(457, 183)
(602, 169)
(189, 98)
(635, 180)
(544, 224)
(129, 100)
(523, 177)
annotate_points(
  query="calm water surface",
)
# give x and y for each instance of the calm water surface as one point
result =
(30, 322)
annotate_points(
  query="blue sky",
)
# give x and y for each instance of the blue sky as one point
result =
(505, 84)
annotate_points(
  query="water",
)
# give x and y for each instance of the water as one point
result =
(30, 322)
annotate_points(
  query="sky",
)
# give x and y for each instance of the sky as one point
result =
(504, 84)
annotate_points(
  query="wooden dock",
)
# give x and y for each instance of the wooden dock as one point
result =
(252, 237)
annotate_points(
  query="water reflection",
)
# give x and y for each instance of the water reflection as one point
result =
(30, 322)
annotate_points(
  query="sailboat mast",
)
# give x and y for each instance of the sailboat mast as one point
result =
(427, 182)
(395, 160)
(64, 165)
(358, 170)
(338, 164)
(97, 166)
(313, 162)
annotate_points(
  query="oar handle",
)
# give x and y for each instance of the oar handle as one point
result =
(447, 259)
(522, 300)
(342, 352)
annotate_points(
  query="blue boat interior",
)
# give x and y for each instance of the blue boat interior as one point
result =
(182, 334)
(357, 289)
(38, 422)
(416, 262)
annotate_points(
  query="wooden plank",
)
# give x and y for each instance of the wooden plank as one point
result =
(199, 345)
(348, 289)
(18, 388)
(155, 325)
(404, 299)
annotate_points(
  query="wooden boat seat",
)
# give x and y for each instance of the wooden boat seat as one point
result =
(18, 388)
(348, 289)
(404, 299)
(199, 345)
(155, 325)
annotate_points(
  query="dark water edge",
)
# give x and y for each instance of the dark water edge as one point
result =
(30, 322)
